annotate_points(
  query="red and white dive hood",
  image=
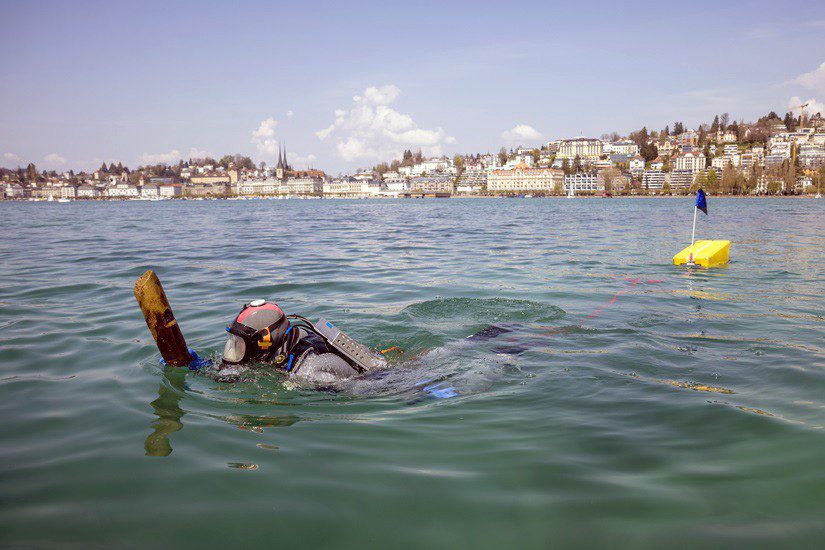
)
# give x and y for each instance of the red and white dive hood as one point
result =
(256, 334)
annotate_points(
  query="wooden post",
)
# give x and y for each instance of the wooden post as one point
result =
(161, 321)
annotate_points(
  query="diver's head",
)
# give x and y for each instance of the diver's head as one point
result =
(256, 334)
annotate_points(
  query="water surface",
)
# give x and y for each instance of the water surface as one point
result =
(633, 404)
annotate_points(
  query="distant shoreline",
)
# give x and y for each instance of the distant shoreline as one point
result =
(275, 197)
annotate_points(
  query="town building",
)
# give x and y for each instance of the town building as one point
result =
(214, 189)
(811, 156)
(123, 191)
(438, 185)
(625, 147)
(681, 179)
(523, 179)
(471, 182)
(689, 138)
(654, 180)
(305, 186)
(582, 147)
(666, 148)
(396, 184)
(150, 191)
(693, 161)
(87, 191)
(171, 190)
(637, 164)
(582, 182)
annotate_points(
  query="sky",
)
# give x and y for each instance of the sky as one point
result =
(346, 86)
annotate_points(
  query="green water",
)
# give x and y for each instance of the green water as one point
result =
(600, 432)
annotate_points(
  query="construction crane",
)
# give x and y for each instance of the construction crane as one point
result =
(801, 110)
(801, 125)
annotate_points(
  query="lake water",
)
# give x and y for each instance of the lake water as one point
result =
(689, 408)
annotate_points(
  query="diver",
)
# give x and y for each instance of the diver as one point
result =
(319, 354)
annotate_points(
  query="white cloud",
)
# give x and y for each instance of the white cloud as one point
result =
(264, 138)
(54, 158)
(160, 158)
(812, 106)
(289, 114)
(371, 129)
(521, 132)
(12, 157)
(195, 153)
(324, 134)
(383, 95)
(814, 80)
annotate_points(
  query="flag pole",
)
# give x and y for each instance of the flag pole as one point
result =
(692, 236)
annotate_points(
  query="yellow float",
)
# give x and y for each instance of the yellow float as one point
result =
(704, 253)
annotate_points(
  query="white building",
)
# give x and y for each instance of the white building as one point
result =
(396, 184)
(471, 182)
(122, 190)
(693, 161)
(582, 182)
(625, 147)
(637, 164)
(524, 179)
(305, 186)
(150, 191)
(14, 191)
(584, 148)
(720, 163)
(351, 188)
(681, 179)
(170, 190)
(654, 180)
(88, 192)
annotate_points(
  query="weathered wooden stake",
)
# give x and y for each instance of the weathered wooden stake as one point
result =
(161, 321)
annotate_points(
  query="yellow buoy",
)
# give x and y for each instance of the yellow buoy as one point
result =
(704, 253)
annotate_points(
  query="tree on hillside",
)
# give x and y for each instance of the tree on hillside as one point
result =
(31, 172)
(610, 175)
(723, 121)
(666, 131)
(648, 151)
(502, 156)
(577, 164)
(458, 162)
(678, 128)
(712, 180)
(788, 121)
(715, 126)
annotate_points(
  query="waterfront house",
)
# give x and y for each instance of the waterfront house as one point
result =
(582, 182)
(523, 179)
(170, 190)
(87, 191)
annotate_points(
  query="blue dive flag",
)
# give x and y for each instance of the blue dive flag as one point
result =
(701, 201)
